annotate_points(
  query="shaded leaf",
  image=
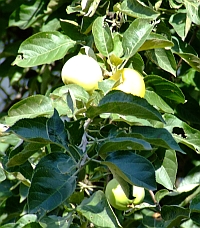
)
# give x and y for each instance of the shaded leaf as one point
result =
(195, 203)
(27, 14)
(53, 221)
(97, 210)
(102, 36)
(43, 48)
(135, 36)
(133, 168)
(124, 104)
(50, 186)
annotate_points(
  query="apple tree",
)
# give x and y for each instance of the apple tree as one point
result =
(60, 145)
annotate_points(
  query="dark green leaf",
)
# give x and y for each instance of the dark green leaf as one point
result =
(174, 212)
(51, 183)
(97, 210)
(133, 168)
(165, 88)
(195, 204)
(123, 143)
(159, 137)
(125, 104)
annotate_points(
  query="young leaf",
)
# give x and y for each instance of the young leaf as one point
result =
(138, 10)
(102, 36)
(43, 48)
(135, 36)
(133, 168)
(125, 104)
(50, 186)
(95, 208)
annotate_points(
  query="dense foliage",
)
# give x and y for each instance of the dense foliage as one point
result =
(62, 144)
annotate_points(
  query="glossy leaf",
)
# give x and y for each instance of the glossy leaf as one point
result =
(125, 104)
(43, 48)
(102, 36)
(97, 210)
(133, 168)
(135, 36)
(50, 185)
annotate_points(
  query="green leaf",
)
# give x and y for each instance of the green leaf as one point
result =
(102, 36)
(28, 14)
(23, 155)
(174, 214)
(43, 48)
(133, 168)
(51, 183)
(53, 221)
(137, 9)
(124, 104)
(159, 137)
(97, 210)
(123, 143)
(42, 130)
(166, 173)
(155, 100)
(165, 88)
(26, 219)
(156, 41)
(30, 107)
(163, 58)
(190, 136)
(193, 8)
(195, 204)
(195, 216)
(191, 60)
(178, 21)
(135, 36)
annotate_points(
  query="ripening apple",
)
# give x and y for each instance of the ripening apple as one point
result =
(130, 81)
(82, 70)
(118, 199)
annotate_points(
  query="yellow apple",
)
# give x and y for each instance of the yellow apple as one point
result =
(83, 71)
(130, 81)
(118, 199)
